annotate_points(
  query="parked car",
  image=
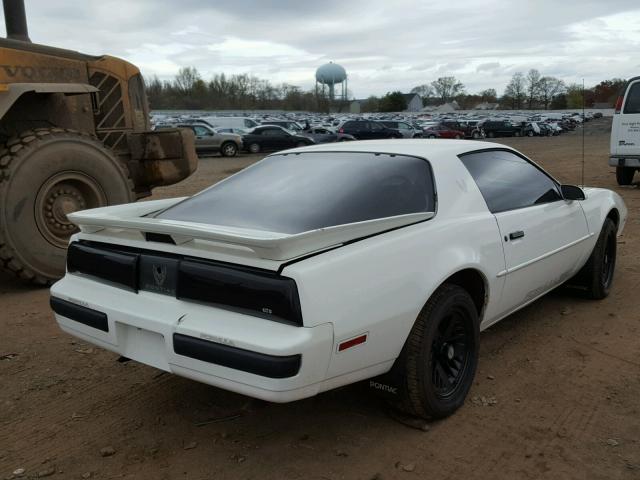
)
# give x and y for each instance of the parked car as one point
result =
(208, 140)
(230, 287)
(368, 130)
(545, 129)
(625, 133)
(532, 129)
(470, 129)
(272, 138)
(231, 122)
(293, 127)
(442, 131)
(406, 129)
(325, 135)
(501, 128)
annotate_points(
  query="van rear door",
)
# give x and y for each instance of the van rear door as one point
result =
(625, 131)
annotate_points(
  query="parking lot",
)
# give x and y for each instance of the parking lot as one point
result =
(556, 394)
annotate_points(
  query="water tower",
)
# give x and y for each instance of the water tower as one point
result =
(329, 75)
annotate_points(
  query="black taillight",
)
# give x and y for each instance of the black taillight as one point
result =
(116, 267)
(255, 292)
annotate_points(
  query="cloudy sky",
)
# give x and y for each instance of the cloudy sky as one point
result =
(384, 45)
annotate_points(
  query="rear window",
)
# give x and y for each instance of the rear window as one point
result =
(293, 193)
(632, 104)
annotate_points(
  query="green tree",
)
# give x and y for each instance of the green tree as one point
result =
(371, 104)
(393, 102)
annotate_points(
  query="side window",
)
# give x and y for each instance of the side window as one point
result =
(201, 131)
(508, 182)
(249, 123)
(632, 104)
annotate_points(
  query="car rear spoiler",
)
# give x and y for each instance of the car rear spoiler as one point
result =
(266, 245)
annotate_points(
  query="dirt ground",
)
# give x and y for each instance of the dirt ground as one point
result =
(557, 393)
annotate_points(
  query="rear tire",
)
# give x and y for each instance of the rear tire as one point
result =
(530, 133)
(44, 175)
(624, 175)
(254, 148)
(440, 355)
(229, 149)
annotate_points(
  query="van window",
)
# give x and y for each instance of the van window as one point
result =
(633, 99)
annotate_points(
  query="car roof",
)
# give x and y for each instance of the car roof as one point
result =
(429, 149)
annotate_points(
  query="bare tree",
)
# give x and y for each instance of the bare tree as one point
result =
(548, 89)
(425, 90)
(447, 87)
(186, 79)
(533, 87)
(516, 90)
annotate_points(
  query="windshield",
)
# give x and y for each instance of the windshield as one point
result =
(293, 193)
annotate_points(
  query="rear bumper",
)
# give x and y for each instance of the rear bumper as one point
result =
(244, 354)
(621, 161)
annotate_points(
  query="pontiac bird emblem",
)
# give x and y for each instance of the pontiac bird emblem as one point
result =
(159, 274)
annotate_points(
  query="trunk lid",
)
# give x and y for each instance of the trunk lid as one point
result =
(133, 225)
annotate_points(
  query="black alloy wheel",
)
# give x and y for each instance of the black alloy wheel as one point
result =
(451, 353)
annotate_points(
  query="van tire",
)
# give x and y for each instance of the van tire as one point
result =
(624, 175)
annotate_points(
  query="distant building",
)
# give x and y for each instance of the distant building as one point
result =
(486, 106)
(356, 106)
(413, 101)
(444, 108)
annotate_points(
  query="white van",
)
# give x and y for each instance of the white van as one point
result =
(625, 134)
(243, 123)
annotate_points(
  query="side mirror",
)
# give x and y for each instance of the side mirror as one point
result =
(571, 192)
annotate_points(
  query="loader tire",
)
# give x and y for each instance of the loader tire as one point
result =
(44, 175)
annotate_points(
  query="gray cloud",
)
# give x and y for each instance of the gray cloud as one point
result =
(383, 45)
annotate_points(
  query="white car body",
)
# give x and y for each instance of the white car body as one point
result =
(371, 289)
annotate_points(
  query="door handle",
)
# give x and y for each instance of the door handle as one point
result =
(515, 235)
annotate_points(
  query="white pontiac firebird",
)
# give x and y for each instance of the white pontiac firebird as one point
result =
(321, 266)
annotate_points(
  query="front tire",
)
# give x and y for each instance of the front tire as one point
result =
(597, 274)
(440, 355)
(624, 175)
(45, 175)
(229, 149)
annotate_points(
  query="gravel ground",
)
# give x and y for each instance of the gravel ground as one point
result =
(556, 394)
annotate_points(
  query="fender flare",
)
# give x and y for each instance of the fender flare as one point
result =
(10, 93)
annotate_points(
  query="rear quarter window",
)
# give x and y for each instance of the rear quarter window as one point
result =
(508, 181)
